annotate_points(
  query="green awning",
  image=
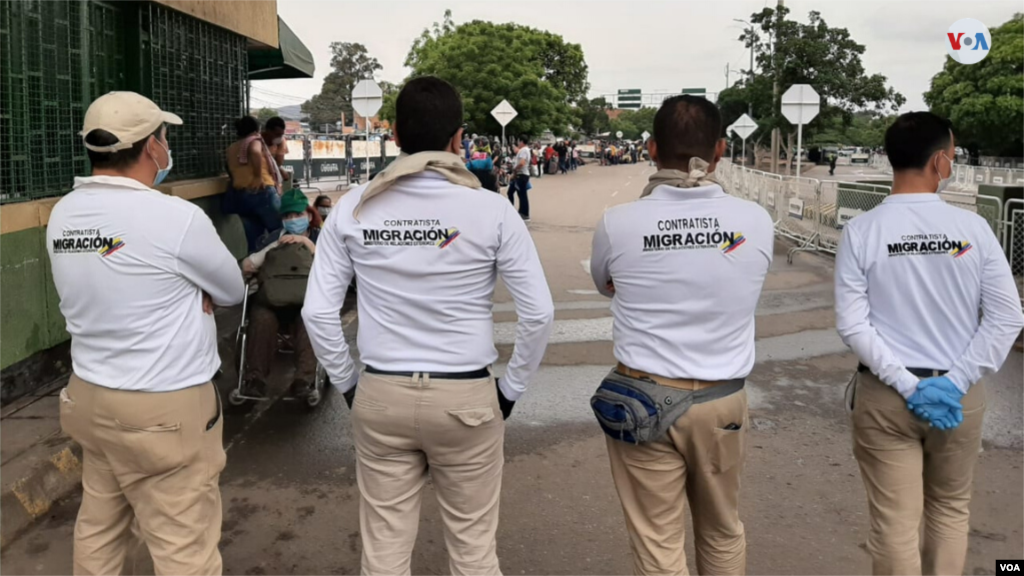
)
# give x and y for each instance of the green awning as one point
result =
(290, 60)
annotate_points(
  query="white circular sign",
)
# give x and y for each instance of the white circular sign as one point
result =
(968, 41)
(618, 134)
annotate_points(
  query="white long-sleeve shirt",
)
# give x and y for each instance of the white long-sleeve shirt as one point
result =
(688, 266)
(426, 254)
(130, 265)
(911, 277)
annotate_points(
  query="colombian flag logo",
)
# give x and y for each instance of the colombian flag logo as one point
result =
(733, 244)
(453, 233)
(111, 247)
(963, 249)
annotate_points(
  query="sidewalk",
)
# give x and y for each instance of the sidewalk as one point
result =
(39, 465)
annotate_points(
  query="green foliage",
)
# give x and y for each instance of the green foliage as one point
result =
(536, 71)
(390, 91)
(593, 115)
(633, 123)
(825, 57)
(866, 129)
(264, 114)
(351, 63)
(985, 101)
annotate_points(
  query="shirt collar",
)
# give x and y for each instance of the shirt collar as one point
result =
(912, 198)
(109, 181)
(665, 192)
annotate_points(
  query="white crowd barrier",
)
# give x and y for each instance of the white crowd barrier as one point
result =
(965, 177)
(813, 212)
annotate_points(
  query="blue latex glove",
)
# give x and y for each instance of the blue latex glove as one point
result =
(938, 401)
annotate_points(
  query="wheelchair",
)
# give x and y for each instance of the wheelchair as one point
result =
(237, 397)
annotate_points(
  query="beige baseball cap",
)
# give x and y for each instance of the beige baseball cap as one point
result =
(127, 115)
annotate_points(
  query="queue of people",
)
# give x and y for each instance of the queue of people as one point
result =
(928, 317)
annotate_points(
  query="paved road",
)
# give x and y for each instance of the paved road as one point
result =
(289, 489)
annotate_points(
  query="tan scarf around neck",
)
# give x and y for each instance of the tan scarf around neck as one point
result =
(698, 176)
(447, 164)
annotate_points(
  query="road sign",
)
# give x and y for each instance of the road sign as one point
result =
(645, 135)
(800, 104)
(744, 127)
(618, 134)
(695, 91)
(367, 98)
(629, 98)
(504, 113)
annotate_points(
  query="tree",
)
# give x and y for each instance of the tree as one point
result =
(827, 58)
(593, 115)
(387, 109)
(264, 114)
(536, 71)
(985, 101)
(351, 63)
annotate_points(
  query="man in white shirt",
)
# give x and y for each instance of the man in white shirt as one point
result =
(137, 273)
(427, 251)
(685, 265)
(912, 276)
(521, 178)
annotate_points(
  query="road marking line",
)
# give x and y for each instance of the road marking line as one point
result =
(586, 265)
(614, 193)
(584, 292)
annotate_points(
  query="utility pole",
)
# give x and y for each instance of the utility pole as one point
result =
(775, 91)
(726, 75)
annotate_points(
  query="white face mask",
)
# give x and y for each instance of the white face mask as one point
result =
(277, 141)
(324, 211)
(943, 182)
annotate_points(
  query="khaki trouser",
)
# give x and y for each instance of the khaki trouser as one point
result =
(402, 428)
(697, 461)
(909, 470)
(147, 456)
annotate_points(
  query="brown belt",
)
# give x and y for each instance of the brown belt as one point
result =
(677, 383)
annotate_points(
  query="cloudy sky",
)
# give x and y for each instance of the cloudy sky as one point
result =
(652, 45)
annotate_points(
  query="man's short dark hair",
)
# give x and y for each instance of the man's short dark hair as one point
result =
(914, 137)
(275, 123)
(119, 160)
(246, 125)
(686, 127)
(428, 112)
(521, 140)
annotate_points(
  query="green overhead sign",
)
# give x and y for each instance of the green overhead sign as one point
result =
(629, 98)
(695, 91)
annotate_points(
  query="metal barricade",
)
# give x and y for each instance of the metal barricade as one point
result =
(988, 207)
(1013, 240)
(841, 202)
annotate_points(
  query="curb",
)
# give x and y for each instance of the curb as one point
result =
(32, 496)
(57, 477)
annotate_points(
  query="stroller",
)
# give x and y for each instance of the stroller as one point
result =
(237, 396)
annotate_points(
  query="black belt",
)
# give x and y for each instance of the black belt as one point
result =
(470, 375)
(919, 372)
